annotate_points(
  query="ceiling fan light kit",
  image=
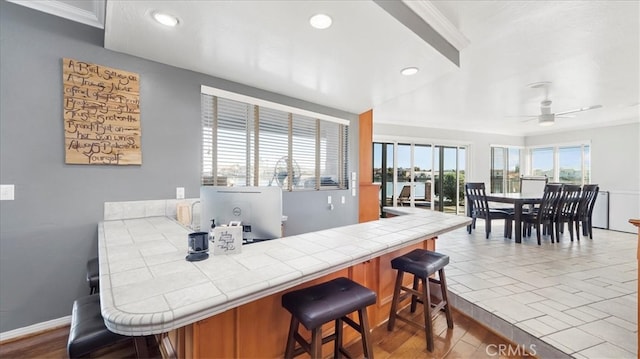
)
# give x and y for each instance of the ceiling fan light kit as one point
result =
(547, 119)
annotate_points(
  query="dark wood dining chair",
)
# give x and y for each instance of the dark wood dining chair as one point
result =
(479, 208)
(545, 214)
(567, 209)
(585, 210)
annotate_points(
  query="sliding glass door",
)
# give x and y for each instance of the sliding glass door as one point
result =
(383, 171)
(420, 175)
(449, 167)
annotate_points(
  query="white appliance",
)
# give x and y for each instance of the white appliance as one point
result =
(600, 217)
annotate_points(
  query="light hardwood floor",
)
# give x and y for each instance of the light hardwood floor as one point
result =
(467, 339)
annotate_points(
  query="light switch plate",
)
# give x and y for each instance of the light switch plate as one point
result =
(7, 192)
(342, 199)
(179, 192)
(328, 199)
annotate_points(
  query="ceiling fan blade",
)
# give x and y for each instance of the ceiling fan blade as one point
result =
(579, 110)
(530, 119)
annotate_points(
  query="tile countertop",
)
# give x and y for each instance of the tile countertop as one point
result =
(147, 286)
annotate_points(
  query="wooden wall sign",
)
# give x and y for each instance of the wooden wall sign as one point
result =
(101, 115)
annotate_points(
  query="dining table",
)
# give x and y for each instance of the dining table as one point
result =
(519, 200)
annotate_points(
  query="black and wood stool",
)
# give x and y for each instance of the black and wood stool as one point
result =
(93, 275)
(88, 332)
(422, 264)
(323, 303)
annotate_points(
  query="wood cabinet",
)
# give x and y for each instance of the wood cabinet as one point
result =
(259, 329)
(369, 203)
(369, 193)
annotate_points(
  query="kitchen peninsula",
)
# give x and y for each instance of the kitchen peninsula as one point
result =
(229, 305)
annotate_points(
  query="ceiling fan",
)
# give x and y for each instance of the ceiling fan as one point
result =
(546, 117)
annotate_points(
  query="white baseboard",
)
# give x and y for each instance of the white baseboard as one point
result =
(35, 328)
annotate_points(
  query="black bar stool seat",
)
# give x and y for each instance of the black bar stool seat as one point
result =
(88, 332)
(422, 264)
(93, 275)
(323, 303)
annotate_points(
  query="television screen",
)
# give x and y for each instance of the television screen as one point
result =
(258, 208)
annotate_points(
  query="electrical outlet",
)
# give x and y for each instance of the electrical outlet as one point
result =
(343, 200)
(328, 199)
(7, 192)
(179, 192)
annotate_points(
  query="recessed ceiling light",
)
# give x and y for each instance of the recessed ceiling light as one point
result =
(408, 71)
(320, 21)
(165, 19)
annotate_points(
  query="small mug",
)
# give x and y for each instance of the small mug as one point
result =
(198, 242)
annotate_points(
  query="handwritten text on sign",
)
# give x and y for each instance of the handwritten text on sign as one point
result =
(101, 115)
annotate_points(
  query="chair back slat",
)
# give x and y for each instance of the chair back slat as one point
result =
(548, 207)
(571, 195)
(477, 197)
(587, 200)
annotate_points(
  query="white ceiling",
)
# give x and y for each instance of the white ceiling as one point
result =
(589, 50)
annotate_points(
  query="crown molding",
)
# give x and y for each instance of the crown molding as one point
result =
(94, 18)
(432, 16)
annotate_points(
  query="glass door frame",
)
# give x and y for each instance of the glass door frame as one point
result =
(438, 151)
(385, 142)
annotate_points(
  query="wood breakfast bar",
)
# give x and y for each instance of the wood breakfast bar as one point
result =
(230, 305)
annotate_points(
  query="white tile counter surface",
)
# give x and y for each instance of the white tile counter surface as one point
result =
(147, 286)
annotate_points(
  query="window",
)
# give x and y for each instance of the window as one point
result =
(570, 165)
(542, 162)
(563, 163)
(505, 169)
(498, 155)
(250, 142)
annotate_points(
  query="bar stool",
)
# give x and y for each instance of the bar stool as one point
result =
(421, 263)
(88, 332)
(323, 303)
(93, 275)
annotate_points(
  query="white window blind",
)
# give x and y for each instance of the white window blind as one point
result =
(244, 144)
(330, 142)
(273, 149)
(233, 142)
(303, 151)
(207, 109)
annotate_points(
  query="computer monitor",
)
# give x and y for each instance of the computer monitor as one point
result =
(258, 208)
